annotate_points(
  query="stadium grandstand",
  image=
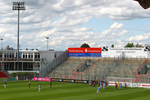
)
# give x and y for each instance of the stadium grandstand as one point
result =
(111, 64)
(97, 64)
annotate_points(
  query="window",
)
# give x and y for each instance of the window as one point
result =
(1, 55)
(5, 66)
(24, 55)
(5, 55)
(37, 65)
(12, 55)
(29, 55)
(8, 55)
(37, 55)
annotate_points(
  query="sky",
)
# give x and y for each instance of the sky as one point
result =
(70, 23)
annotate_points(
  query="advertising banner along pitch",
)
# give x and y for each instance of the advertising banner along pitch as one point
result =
(42, 79)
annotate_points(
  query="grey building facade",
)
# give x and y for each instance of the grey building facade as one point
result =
(29, 60)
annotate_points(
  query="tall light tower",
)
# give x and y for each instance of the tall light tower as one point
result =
(18, 6)
(1, 43)
(47, 42)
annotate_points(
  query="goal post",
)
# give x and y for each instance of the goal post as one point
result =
(122, 80)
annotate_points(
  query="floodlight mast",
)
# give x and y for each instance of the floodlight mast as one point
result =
(47, 42)
(18, 6)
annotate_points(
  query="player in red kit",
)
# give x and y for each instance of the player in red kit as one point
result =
(105, 84)
(125, 85)
(98, 84)
(115, 85)
(94, 84)
(29, 84)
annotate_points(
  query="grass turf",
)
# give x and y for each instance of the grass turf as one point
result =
(19, 90)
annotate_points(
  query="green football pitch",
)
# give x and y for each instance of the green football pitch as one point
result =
(19, 90)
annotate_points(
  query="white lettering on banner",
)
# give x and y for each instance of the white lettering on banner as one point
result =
(125, 51)
(94, 51)
(145, 85)
(85, 51)
(72, 80)
(42, 79)
(75, 50)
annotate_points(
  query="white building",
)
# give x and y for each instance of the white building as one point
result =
(29, 60)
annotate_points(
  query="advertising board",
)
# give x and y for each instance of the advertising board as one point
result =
(128, 52)
(84, 52)
(69, 80)
(42, 79)
(143, 85)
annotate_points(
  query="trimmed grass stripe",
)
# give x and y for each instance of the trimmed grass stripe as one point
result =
(19, 90)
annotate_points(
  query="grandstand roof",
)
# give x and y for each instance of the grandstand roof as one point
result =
(144, 3)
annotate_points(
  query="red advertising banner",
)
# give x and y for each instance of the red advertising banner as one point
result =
(84, 50)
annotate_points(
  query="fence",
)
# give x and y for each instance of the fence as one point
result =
(49, 66)
(7, 79)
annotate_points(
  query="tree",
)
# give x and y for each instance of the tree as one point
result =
(84, 45)
(129, 45)
(138, 45)
(112, 45)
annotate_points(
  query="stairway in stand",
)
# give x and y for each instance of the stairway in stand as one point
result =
(3, 75)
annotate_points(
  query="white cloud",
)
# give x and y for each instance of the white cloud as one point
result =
(116, 25)
(70, 27)
(48, 33)
(139, 37)
(2, 30)
(84, 29)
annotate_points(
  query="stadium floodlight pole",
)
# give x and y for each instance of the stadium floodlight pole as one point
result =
(1, 43)
(18, 6)
(47, 42)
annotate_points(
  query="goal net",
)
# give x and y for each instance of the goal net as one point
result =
(120, 79)
(131, 82)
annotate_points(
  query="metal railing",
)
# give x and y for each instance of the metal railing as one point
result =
(49, 66)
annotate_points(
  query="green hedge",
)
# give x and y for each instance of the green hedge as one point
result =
(24, 74)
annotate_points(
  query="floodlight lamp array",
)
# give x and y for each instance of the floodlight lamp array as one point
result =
(47, 37)
(18, 5)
